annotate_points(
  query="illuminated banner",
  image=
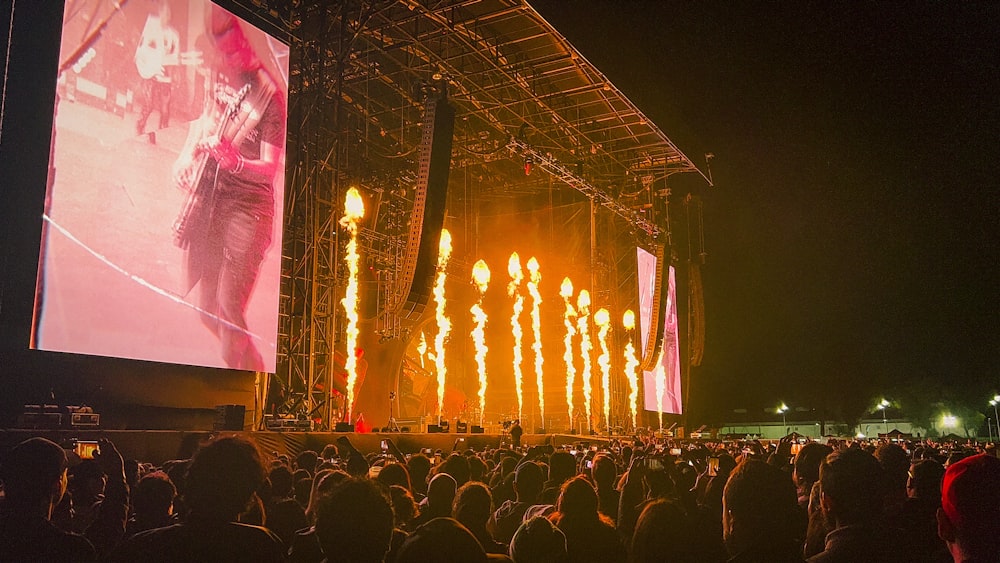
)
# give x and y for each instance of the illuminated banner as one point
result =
(670, 359)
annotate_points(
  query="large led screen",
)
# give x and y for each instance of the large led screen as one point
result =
(670, 367)
(162, 223)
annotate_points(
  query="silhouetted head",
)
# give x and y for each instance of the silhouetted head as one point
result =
(662, 533)
(760, 508)
(34, 471)
(354, 522)
(538, 541)
(442, 540)
(154, 495)
(222, 478)
(853, 487)
(473, 505)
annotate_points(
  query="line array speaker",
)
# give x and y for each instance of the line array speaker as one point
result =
(430, 199)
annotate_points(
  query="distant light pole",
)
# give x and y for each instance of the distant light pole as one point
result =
(882, 405)
(782, 410)
(994, 403)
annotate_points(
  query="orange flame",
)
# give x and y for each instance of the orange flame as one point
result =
(536, 327)
(603, 321)
(583, 327)
(516, 275)
(354, 211)
(566, 291)
(443, 322)
(631, 363)
(481, 277)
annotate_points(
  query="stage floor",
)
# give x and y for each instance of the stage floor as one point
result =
(157, 446)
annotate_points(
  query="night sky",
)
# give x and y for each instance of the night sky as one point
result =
(852, 233)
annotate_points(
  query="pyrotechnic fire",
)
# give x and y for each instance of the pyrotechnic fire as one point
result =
(536, 327)
(443, 322)
(354, 211)
(583, 327)
(516, 275)
(661, 387)
(422, 348)
(603, 321)
(566, 291)
(631, 363)
(481, 277)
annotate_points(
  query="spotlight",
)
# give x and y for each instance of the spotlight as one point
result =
(528, 164)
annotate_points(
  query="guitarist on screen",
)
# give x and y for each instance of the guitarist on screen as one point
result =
(228, 168)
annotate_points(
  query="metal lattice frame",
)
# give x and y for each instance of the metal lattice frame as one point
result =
(521, 92)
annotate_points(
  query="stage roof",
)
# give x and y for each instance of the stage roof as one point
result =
(521, 90)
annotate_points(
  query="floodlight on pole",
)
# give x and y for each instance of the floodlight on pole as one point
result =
(993, 403)
(782, 410)
(885, 423)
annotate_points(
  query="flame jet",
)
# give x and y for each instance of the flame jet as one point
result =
(631, 363)
(443, 322)
(516, 276)
(354, 211)
(602, 318)
(566, 291)
(583, 327)
(481, 277)
(536, 327)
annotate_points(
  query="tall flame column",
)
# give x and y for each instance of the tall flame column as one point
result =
(516, 276)
(536, 327)
(443, 322)
(602, 318)
(354, 211)
(481, 277)
(566, 291)
(583, 327)
(631, 365)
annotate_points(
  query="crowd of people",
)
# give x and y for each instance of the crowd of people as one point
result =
(636, 500)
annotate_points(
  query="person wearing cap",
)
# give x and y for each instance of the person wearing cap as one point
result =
(969, 517)
(34, 479)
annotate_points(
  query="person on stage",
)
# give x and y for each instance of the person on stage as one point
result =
(156, 58)
(515, 434)
(228, 168)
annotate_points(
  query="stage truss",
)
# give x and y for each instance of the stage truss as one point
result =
(524, 98)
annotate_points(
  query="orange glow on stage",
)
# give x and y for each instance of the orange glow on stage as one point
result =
(443, 322)
(354, 211)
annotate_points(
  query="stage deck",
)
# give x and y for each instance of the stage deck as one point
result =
(157, 446)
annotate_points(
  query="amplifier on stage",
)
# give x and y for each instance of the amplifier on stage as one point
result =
(462, 427)
(83, 417)
(229, 417)
(287, 423)
(36, 417)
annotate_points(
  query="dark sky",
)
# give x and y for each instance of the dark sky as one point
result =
(853, 230)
